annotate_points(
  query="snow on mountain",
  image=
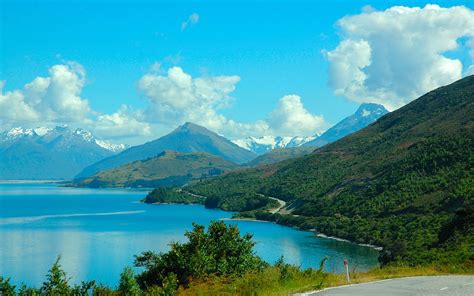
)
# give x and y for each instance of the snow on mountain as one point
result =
(366, 114)
(50, 153)
(261, 145)
(46, 133)
(41, 131)
(87, 136)
(110, 146)
(18, 132)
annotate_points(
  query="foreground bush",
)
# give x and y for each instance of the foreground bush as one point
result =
(221, 251)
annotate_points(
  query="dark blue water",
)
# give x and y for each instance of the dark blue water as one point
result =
(98, 231)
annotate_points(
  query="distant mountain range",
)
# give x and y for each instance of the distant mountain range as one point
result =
(50, 153)
(62, 153)
(169, 168)
(366, 114)
(262, 145)
(187, 138)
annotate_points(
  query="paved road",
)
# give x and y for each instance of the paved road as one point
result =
(422, 285)
(277, 209)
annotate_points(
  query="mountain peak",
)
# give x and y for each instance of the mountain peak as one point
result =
(191, 127)
(371, 109)
(366, 114)
(187, 138)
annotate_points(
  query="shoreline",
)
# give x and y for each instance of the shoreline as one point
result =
(314, 231)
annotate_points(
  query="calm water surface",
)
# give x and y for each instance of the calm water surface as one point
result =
(98, 231)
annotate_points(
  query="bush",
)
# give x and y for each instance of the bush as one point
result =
(220, 251)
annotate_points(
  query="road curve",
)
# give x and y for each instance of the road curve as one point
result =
(422, 285)
(277, 209)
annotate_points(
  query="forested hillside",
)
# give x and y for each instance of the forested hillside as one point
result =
(405, 183)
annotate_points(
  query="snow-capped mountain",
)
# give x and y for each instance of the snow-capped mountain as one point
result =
(39, 132)
(50, 153)
(87, 136)
(261, 145)
(366, 114)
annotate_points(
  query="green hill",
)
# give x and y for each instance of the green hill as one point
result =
(187, 138)
(280, 154)
(405, 183)
(169, 168)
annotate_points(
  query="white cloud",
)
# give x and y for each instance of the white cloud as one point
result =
(14, 108)
(393, 56)
(191, 20)
(173, 98)
(290, 118)
(55, 98)
(177, 97)
(122, 124)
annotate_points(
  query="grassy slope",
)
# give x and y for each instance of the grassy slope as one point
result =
(168, 168)
(405, 183)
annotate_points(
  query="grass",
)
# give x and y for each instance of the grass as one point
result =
(274, 281)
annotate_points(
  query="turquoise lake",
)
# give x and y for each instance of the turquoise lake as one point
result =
(98, 231)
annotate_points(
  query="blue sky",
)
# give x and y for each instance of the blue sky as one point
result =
(276, 49)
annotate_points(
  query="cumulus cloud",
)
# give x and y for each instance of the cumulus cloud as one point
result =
(173, 96)
(122, 124)
(290, 118)
(177, 97)
(14, 108)
(393, 56)
(191, 20)
(55, 98)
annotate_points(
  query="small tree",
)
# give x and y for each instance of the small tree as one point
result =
(57, 281)
(128, 285)
(6, 288)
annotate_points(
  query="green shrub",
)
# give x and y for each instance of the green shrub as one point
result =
(220, 251)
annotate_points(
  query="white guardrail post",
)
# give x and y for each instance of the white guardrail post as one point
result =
(346, 265)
